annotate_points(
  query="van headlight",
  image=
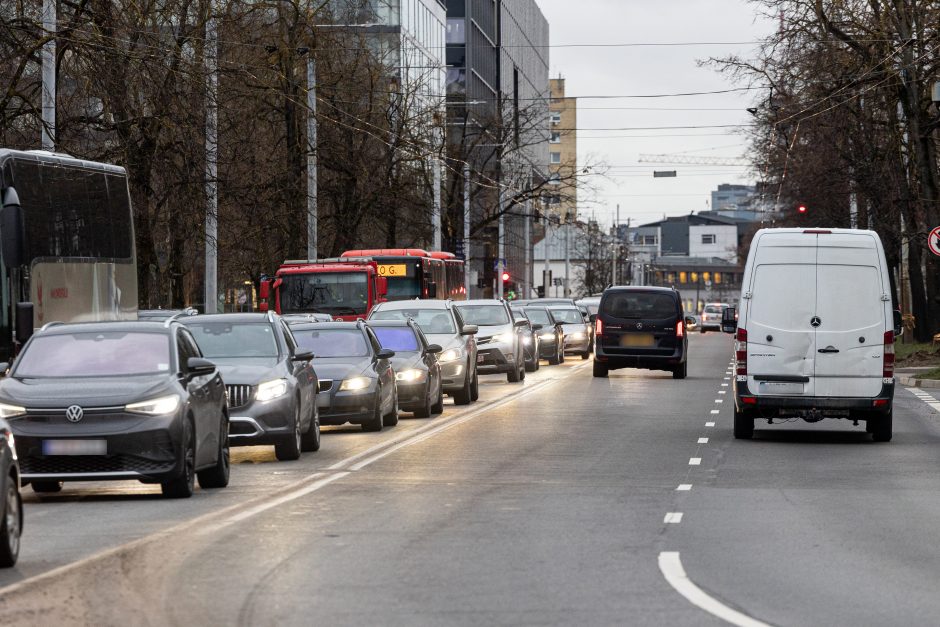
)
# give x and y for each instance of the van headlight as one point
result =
(270, 390)
(412, 375)
(11, 411)
(452, 354)
(155, 407)
(354, 384)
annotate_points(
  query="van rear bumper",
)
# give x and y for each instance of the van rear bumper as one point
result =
(881, 404)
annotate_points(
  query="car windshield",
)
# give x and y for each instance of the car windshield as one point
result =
(484, 315)
(107, 354)
(398, 339)
(432, 321)
(568, 316)
(339, 293)
(639, 305)
(332, 342)
(235, 339)
(538, 316)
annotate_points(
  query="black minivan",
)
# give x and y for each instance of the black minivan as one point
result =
(641, 327)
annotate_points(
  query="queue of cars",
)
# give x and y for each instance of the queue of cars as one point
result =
(162, 399)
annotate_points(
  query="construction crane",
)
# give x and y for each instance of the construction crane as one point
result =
(693, 160)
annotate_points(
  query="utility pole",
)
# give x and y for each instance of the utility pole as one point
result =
(546, 281)
(567, 257)
(501, 245)
(48, 75)
(311, 156)
(527, 239)
(466, 226)
(212, 154)
(436, 195)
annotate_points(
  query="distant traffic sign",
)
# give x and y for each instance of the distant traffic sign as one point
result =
(933, 241)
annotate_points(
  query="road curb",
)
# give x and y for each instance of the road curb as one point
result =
(911, 382)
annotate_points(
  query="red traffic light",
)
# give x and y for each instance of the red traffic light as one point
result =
(505, 276)
(801, 208)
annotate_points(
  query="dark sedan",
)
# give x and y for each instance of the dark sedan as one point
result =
(357, 382)
(117, 400)
(271, 385)
(530, 340)
(551, 335)
(11, 504)
(417, 370)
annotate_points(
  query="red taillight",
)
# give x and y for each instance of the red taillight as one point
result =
(880, 402)
(740, 352)
(598, 327)
(749, 400)
(680, 329)
(888, 356)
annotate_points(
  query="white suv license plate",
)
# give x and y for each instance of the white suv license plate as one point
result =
(74, 447)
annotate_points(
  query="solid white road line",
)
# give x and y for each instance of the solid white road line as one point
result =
(695, 461)
(684, 487)
(703, 440)
(709, 424)
(673, 518)
(671, 567)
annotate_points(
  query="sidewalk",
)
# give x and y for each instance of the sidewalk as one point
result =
(905, 376)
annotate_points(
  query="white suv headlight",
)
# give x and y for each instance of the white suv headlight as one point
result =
(354, 384)
(155, 407)
(270, 390)
(11, 411)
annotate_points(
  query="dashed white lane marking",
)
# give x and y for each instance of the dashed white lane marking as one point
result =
(718, 400)
(726, 379)
(709, 424)
(671, 567)
(715, 411)
(722, 391)
(673, 518)
(724, 385)
(695, 461)
(703, 440)
(684, 487)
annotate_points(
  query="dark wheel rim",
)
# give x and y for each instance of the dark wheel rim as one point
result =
(12, 517)
(297, 434)
(224, 450)
(189, 463)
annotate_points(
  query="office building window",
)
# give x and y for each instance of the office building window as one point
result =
(650, 240)
(555, 157)
(708, 238)
(555, 117)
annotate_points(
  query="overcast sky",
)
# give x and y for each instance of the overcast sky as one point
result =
(610, 70)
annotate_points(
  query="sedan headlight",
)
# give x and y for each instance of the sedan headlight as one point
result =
(11, 411)
(547, 336)
(270, 390)
(576, 336)
(503, 338)
(414, 375)
(155, 407)
(452, 354)
(526, 341)
(354, 384)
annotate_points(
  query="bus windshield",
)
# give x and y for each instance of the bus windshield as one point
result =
(403, 288)
(339, 293)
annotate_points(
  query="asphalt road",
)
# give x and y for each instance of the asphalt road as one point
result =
(545, 503)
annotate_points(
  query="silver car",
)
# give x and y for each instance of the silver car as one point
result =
(577, 331)
(443, 325)
(499, 341)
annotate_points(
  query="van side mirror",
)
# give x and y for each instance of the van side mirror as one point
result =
(11, 229)
(24, 322)
(898, 323)
(729, 320)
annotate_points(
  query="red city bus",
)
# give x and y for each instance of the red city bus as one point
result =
(347, 289)
(416, 273)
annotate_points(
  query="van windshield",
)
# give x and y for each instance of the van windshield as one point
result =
(644, 305)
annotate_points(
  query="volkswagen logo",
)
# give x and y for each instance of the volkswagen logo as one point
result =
(639, 325)
(815, 321)
(74, 413)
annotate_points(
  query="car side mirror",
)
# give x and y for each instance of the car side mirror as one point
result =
(197, 366)
(4, 367)
(592, 318)
(11, 229)
(433, 349)
(469, 329)
(536, 327)
(302, 356)
(689, 320)
(519, 323)
(729, 320)
(898, 323)
(385, 353)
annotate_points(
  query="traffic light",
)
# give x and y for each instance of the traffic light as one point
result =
(505, 277)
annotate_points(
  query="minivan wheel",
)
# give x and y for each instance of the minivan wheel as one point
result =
(881, 429)
(601, 370)
(743, 425)
(681, 371)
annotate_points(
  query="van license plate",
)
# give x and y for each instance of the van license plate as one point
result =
(779, 387)
(74, 447)
(637, 339)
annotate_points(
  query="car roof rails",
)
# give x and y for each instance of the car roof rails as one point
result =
(54, 323)
(270, 317)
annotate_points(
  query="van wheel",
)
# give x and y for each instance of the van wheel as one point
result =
(743, 425)
(680, 372)
(881, 429)
(601, 370)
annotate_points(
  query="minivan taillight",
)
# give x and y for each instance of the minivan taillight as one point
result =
(888, 356)
(740, 352)
(598, 327)
(680, 329)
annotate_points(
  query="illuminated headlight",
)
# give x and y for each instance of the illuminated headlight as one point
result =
(526, 341)
(576, 336)
(155, 407)
(11, 411)
(270, 390)
(503, 338)
(452, 354)
(354, 384)
(547, 336)
(410, 376)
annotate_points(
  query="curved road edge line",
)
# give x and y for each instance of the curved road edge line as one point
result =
(671, 567)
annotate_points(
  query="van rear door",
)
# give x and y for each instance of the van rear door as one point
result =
(851, 312)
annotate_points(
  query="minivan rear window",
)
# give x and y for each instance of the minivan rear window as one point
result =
(639, 305)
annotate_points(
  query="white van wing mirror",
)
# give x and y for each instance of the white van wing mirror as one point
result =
(729, 320)
(898, 323)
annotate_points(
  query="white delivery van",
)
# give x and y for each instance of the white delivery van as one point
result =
(815, 330)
